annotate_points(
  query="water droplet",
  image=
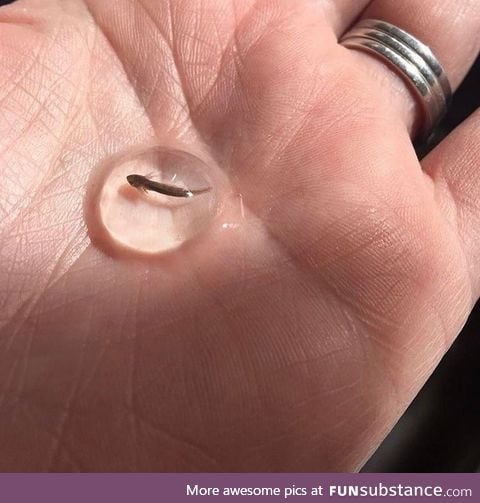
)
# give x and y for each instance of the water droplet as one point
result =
(125, 218)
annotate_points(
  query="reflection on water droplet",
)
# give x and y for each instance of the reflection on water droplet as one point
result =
(148, 222)
(229, 225)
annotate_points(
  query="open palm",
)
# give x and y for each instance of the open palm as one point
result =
(292, 341)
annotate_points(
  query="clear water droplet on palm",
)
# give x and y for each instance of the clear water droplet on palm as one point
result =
(150, 222)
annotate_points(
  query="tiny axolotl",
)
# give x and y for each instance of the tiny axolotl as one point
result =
(143, 183)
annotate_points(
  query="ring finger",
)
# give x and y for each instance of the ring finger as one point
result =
(449, 27)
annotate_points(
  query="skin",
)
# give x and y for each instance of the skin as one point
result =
(293, 342)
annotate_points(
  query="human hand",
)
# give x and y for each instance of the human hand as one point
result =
(292, 342)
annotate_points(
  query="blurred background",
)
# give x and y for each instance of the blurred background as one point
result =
(440, 431)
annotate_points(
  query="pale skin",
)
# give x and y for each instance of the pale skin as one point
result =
(291, 343)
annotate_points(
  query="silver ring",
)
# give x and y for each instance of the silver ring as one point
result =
(411, 59)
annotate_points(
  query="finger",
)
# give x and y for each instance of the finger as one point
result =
(341, 13)
(187, 51)
(450, 28)
(453, 166)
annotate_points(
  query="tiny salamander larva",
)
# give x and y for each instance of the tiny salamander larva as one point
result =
(143, 183)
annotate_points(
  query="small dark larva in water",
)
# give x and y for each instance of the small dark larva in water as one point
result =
(143, 183)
